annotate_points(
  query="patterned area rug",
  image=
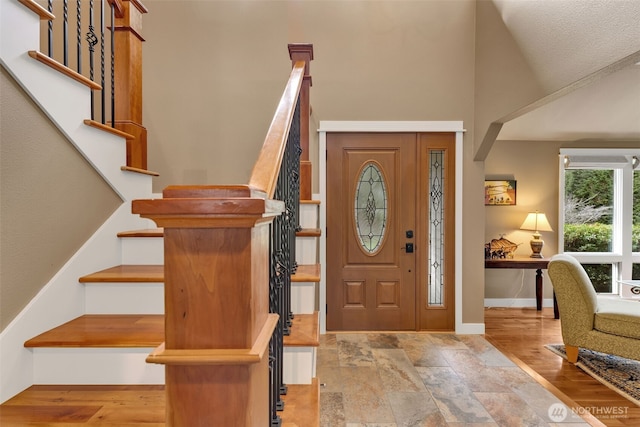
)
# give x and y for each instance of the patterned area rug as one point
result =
(619, 374)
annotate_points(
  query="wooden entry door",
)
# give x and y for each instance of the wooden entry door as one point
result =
(370, 208)
(388, 266)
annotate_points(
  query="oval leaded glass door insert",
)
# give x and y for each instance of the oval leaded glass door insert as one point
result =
(370, 208)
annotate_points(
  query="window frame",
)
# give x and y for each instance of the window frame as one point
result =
(621, 256)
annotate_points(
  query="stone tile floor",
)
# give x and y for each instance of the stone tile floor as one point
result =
(413, 379)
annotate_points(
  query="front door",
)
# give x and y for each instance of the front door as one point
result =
(386, 266)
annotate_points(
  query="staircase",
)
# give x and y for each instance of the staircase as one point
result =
(112, 318)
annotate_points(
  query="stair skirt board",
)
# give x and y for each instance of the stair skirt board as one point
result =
(303, 297)
(142, 250)
(299, 365)
(124, 298)
(95, 366)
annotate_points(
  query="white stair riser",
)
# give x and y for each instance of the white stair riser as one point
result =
(124, 298)
(299, 365)
(303, 297)
(128, 366)
(142, 250)
(308, 215)
(306, 250)
(95, 366)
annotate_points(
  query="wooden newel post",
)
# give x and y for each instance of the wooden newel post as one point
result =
(304, 52)
(128, 81)
(217, 321)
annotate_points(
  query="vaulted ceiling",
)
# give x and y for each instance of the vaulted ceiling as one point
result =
(586, 56)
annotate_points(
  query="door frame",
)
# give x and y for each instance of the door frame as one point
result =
(393, 127)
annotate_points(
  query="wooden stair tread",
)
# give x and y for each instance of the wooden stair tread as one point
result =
(155, 273)
(307, 273)
(149, 232)
(301, 405)
(107, 128)
(127, 273)
(104, 330)
(39, 56)
(138, 170)
(43, 13)
(145, 405)
(305, 331)
(309, 202)
(309, 232)
(145, 330)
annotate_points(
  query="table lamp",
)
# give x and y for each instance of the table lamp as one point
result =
(538, 222)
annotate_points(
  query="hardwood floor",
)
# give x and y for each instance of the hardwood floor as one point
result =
(519, 333)
(522, 333)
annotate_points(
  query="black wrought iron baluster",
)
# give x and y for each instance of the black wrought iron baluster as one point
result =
(65, 33)
(79, 35)
(282, 275)
(92, 40)
(50, 29)
(276, 338)
(293, 196)
(102, 66)
(113, 61)
(281, 191)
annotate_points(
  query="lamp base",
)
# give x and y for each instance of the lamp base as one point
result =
(536, 246)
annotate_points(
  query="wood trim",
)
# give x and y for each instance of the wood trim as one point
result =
(138, 170)
(307, 273)
(149, 232)
(265, 171)
(218, 356)
(118, 6)
(63, 69)
(107, 128)
(138, 5)
(208, 212)
(304, 331)
(39, 10)
(309, 232)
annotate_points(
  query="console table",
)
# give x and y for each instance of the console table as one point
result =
(538, 264)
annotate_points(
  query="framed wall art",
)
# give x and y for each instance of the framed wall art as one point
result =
(500, 193)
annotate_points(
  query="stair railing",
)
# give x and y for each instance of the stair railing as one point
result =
(101, 40)
(228, 259)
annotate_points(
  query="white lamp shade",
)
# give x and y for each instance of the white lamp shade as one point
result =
(536, 221)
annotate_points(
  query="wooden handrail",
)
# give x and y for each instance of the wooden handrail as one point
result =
(265, 171)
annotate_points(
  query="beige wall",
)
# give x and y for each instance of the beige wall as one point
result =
(534, 166)
(51, 200)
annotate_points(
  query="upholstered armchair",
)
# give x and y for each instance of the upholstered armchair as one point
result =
(606, 324)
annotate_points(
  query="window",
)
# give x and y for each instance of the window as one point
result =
(600, 213)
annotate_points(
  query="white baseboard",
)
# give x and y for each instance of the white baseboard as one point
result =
(470, 329)
(516, 302)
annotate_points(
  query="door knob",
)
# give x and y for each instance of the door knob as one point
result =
(408, 247)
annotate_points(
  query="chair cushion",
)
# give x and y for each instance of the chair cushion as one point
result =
(618, 317)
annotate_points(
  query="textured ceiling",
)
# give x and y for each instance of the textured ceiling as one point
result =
(565, 41)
